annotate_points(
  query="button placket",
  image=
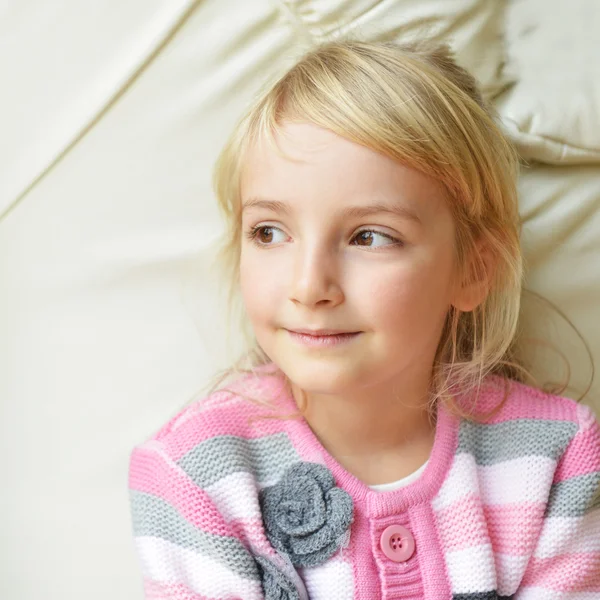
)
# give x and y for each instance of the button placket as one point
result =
(395, 548)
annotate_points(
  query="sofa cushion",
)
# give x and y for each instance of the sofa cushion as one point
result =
(553, 111)
(474, 28)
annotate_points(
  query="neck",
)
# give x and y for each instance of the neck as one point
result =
(379, 432)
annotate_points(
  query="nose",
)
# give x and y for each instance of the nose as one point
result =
(315, 280)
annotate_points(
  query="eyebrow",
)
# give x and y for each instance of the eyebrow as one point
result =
(350, 211)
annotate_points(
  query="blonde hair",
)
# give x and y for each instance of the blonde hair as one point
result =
(413, 103)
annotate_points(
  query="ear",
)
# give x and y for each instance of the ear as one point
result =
(475, 286)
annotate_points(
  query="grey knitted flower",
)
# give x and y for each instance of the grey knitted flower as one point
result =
(276, 585)
(305, 515)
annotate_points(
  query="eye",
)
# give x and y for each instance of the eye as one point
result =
(263, 235)
(366, 238)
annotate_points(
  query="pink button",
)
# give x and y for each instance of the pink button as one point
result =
(397, 543)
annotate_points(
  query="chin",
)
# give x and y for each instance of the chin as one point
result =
(319, 375)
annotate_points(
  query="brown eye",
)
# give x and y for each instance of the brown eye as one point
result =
(367, 238)
(265, 235)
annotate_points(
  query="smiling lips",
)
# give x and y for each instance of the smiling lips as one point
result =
(322, 337)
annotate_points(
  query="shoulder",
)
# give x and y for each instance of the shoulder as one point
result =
(235, 409)
(525, 401)
(530, 422)
(235, 430)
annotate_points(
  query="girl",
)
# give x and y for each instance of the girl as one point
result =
(383, 442)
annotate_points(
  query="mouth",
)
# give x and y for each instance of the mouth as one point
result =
(322, 332)
(323, 340)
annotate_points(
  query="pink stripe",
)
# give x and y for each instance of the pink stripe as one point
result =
(222, 420)
(565, 573)
(149, 473)
(524, 402)
(462, 524)
(155, 590)
(511, 529)
(514, 528)
(583, 454)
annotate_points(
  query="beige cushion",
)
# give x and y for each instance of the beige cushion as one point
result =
(553, 111)
(560, 208)
(474, 27)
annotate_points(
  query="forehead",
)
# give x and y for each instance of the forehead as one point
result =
(312, 166)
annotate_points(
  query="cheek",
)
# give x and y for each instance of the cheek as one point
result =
(410, 296)
(258, 289)
(248, 285)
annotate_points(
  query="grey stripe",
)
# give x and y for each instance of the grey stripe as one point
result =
(480, 596)
(266, 458)
(574, 497)
(498, 442)
(152, 516)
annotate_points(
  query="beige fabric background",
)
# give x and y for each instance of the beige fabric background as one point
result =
(111, 114)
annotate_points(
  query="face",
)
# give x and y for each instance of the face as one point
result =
(347, 239)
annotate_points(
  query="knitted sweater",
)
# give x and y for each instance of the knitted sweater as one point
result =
(227, 504)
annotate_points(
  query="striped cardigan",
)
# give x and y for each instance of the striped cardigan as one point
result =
(227, 504)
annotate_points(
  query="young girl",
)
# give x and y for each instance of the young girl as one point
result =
(383, 442)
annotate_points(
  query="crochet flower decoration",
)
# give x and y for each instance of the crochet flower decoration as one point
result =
(276, 585)
(305, 515)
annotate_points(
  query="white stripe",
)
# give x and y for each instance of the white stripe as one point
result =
(537, 593)
(471, 569)
(334, 579)
(236, 496)
(168, 563)
(523, 479)
(460, 481)
(509, 572)
(561, 535)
